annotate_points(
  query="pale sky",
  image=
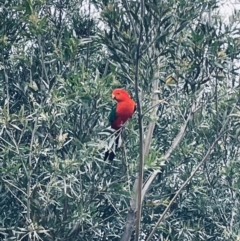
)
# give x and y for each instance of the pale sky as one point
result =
(228, 6)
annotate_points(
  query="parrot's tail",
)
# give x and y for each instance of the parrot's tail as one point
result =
(114, 143)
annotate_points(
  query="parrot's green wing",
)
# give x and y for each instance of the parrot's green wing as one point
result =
(113, 143)
(113, 114)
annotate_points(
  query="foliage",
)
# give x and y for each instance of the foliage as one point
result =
(58, 66)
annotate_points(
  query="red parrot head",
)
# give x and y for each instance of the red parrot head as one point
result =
(120, 95)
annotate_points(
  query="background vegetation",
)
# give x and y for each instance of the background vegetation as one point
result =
(60, 61)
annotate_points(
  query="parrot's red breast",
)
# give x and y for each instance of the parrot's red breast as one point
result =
(123, 110)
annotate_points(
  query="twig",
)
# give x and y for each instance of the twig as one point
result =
(151, 126)
(140, 125)
(13, 140)
(15, 187)
(153, 106)
(106, 68)
(88, 33)
(42, 59)
(115, 208)
(30, 172)
(7, 89)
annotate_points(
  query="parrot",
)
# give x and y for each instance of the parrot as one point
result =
(120, 113)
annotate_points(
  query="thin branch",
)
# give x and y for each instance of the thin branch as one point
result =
(88, 33)
(42, 59)
(114, 207)
(9, 145)
(30, 172)
(151, 126)
(24, 206)
(13, 140)
(106, 68)
(15, 187)
(158, 102)
(7, 90)
(140, 125)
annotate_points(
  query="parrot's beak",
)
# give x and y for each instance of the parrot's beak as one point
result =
(113, 96)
